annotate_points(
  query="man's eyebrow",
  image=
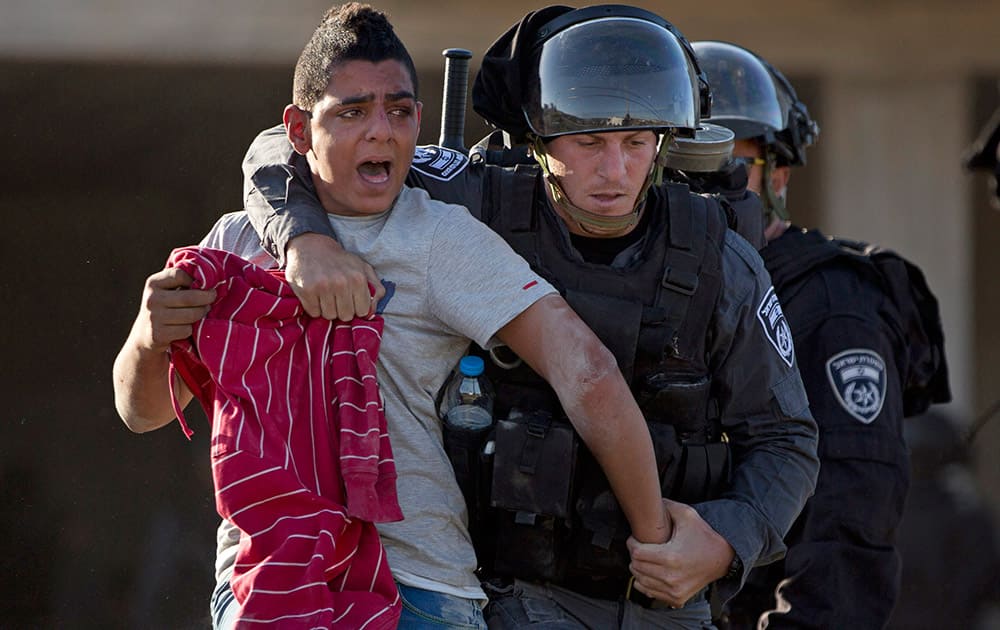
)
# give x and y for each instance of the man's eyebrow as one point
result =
(402, 95)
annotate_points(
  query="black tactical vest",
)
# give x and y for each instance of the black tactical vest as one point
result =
(550, 513)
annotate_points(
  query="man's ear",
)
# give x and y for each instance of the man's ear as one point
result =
(779, 178)
(420, 110)
(297, 128)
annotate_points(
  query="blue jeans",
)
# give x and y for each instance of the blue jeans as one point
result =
(422, 610)
(525, 605)
(429, 610)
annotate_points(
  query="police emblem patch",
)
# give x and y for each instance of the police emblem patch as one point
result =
(776, 327)
(859, 382)
(440, 163)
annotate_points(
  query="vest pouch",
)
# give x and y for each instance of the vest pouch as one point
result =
(534, 463)
(670, 398)
(465, 448)
(599, 550)
(704, 472)
(482, 517)
(669, 454)
(527, 546)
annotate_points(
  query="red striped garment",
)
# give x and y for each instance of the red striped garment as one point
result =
(301, 459)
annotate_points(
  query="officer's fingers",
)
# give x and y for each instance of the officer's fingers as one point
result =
(647, 553)
(307, 290)
(325, 307)
(374, 283)
(674, 594)
(363, 303)
(311, 304)
(335, 306)
(357, 303)
(654, 565)
(679, 513)
(653, 575)
(660, 591)
(340, 295)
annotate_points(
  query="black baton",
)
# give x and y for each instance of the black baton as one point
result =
(456, 83)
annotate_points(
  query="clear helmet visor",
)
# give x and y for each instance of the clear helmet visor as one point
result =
(612, 74)
(745, 97)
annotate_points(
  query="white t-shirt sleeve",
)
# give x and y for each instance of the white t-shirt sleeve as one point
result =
(478, 284)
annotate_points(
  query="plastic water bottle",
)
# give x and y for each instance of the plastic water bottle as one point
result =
(468, 418)
(469, 397)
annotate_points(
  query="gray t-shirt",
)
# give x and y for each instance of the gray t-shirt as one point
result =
(454, 280)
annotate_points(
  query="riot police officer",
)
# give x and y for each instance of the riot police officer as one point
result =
(869, 345)
(684, 303)
(984, 155)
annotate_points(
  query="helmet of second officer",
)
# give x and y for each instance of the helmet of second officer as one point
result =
(753, 99)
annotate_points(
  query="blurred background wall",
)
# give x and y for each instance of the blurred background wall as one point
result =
(124, 124)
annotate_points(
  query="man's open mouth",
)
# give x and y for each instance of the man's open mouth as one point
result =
(375, 172)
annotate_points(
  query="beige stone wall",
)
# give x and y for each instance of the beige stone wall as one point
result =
(897, 103)
(800, 35)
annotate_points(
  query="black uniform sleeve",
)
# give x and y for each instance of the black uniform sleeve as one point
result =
(765, 415)
(278, 193)
(281, 201)
(842, 569)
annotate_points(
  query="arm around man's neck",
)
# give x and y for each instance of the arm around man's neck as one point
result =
(278, 194)
(284, 210)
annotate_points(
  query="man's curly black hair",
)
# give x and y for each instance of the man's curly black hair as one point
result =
(349, 32)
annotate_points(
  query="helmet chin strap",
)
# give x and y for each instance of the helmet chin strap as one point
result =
(773, 202)
(590, 223)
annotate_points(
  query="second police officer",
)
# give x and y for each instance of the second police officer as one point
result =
(684, 303)
(984, 155)
(870, 349)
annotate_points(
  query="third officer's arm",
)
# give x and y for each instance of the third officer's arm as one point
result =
(842, 548)
(765, 415)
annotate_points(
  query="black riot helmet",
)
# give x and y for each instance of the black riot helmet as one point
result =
(608, 68)
(751, 97)
(601, 68)
(604, 68)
